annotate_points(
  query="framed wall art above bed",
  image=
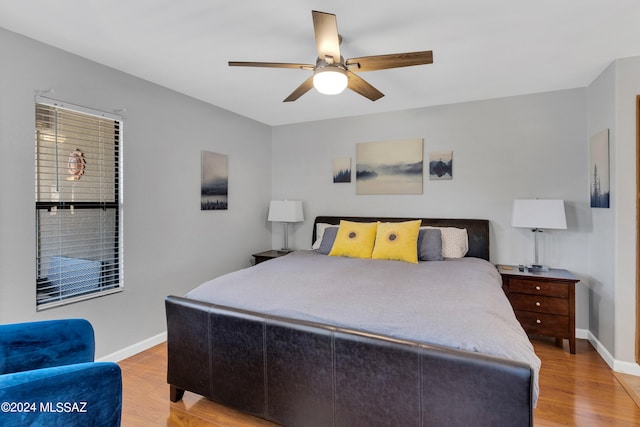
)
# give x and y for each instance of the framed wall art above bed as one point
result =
(389, 167)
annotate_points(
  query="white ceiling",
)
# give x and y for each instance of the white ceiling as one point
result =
(482, 49)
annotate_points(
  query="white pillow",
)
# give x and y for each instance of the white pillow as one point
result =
(320, 227)
(455, 241)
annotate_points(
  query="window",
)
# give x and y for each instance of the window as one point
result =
(78, 209)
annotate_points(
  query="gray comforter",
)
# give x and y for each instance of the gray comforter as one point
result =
(456, 303)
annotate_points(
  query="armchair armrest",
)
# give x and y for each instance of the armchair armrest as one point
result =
(36, 345)
(85, 394)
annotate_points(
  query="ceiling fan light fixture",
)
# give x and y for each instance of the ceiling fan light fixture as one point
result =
(330, 80)
(331, 73)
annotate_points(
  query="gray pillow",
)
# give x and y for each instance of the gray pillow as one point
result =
(328, 238)
(430, 244)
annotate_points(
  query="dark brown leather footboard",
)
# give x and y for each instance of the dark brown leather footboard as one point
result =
(305, 374)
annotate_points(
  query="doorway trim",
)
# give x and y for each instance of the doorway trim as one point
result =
(637, 228)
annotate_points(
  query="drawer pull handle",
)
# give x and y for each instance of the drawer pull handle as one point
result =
(537, 288)
(538, 321)
(537, 303)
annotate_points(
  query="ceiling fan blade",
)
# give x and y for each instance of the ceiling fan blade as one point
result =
(358, 85)
(394, 60)
(271, 65)
(325, 26)
(305, 87)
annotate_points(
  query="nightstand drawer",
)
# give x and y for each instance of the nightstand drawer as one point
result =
(544, 324)
(539, 287)
(539, 304)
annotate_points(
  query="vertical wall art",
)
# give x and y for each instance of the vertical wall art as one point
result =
(214, 184)
(342, 169)
(441, 165)
(599, 169)
(389, 167)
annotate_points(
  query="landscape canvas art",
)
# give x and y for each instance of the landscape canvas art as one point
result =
(342, 169)
(599, 169)
(441, 165)
(389, 167)
(214, 186)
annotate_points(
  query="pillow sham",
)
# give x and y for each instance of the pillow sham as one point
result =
(320, 227)
(328, 239)
(397, 241)
(430, 244)
(354, 239)
(455, 241)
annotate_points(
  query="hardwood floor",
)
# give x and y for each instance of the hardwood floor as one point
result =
(575, 390)
(580, 389)
(631, 384)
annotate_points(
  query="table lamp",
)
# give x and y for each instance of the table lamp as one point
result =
(285, 211)
(538, 214)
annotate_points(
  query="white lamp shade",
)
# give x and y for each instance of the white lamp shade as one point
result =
(285, 211)
(538, 213)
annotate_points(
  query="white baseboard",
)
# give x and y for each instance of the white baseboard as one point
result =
(134, 349)
(616, 365)
(582, 334)
(627, 368)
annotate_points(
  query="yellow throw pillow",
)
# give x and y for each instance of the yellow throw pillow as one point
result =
(354, 239)
(397, 241)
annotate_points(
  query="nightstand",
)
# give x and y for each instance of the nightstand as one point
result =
(267, 255)
(543, 302)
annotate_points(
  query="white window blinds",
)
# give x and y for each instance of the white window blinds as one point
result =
(78, 210)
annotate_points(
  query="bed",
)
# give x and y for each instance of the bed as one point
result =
(325, 347)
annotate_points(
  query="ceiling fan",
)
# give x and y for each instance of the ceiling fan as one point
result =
(331, 73)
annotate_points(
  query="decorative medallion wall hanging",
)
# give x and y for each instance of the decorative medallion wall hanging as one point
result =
(76, 165)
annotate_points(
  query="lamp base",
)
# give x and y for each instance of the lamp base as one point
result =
(537, 268)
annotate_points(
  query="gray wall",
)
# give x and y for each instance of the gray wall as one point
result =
(170, 246)
(601, 239)
(518, 147)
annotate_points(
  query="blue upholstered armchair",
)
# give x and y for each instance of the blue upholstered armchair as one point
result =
(48, 377)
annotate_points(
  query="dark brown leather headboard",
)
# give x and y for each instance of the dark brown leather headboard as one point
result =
(477, 229)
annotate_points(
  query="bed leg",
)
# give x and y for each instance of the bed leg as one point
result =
(175, 393)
